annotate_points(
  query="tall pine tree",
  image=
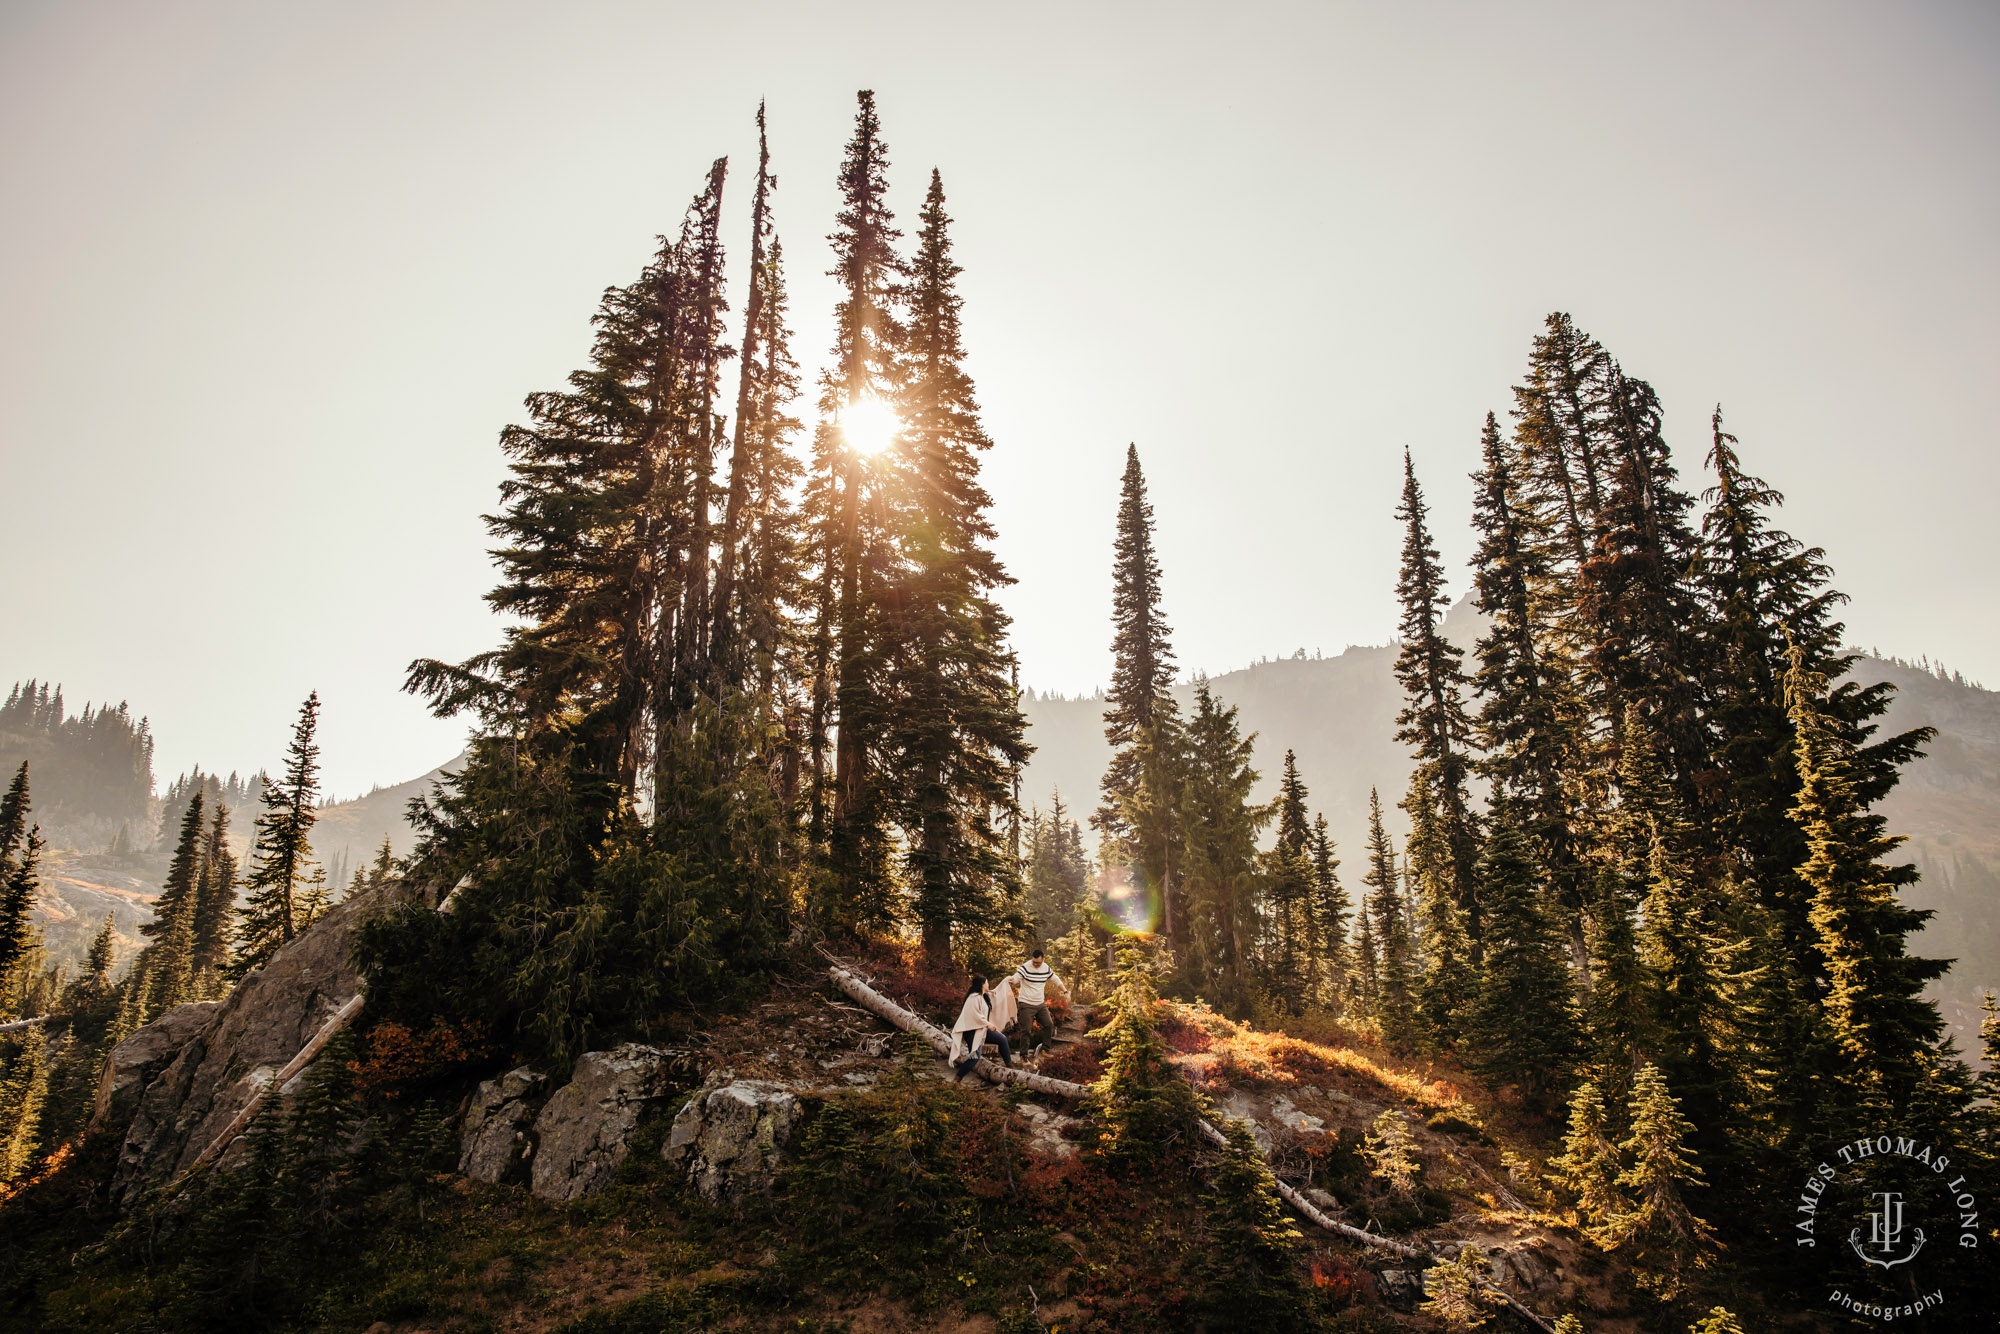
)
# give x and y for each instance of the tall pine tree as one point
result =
(952, 731)
(271, 913)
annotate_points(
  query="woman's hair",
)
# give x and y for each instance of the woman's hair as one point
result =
(978, 984)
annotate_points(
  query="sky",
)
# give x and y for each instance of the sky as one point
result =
(273, 277)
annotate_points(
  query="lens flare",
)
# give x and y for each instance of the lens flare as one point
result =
(1127, 901)
(868, 425)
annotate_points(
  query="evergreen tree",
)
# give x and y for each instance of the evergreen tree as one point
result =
(1642, 624)
(87, 1006)
(1289, 946)
(1522, 1027)
(952, 732)
(215, 900)
(1433, 721)
(1448, 975)
(1394, 979)
(271, 913)
(851, 511)
(1660, 1233)
(1874, 1006)
(1055, 872)
(1219, 828)
(1530, 721)
(24, 1082)
(14, 808)
(184, 872)
(20, 934)
(1252, 1282)
(1587, 1169)
(1142, 674)
(1332, 908)
(1140, 1104)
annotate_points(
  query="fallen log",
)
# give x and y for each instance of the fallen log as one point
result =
(887, 1010)
(910, 1022)
(297, 1063)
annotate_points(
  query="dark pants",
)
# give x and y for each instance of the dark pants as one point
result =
(993, 1037)
(1030, 1015)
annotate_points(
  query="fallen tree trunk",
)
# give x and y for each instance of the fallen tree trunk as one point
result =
(883, 1008)
(992, 1071)
(297, 1063)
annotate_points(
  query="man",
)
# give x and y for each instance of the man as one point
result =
(1034, 976)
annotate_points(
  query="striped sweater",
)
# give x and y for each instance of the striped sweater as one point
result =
(1034, 977)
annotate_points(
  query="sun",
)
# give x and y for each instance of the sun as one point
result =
(868, 425)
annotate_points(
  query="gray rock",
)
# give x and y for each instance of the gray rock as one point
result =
(1045, 1131)
(252, 1035)
(585, 1131)
(1399, 1287)
(139, 1058)
(494, 1145)
(1291, 1118)
(729, 1138)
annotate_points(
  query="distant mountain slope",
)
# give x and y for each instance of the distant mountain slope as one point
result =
(353, 830)
(1338, 715)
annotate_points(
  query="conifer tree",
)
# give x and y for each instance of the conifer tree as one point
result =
(1522, 1027)
(1642, 624)
(20, 934)
(271, 913)
(1660, 1232)
(952, 733)
(1289, 936)
(215, 900)
(1561, 436)
(1394, 980)
(1433, 721)
(1874, 1006)
(1530, 722)
(24, 1082)
(1332, 909)
(1447, 976)
(851, 518)
(14, 809)
(1588, 1168)
(1251, 1243)
(184, 872)
(1140, 1104)
(1219, 852)
(1142, 674)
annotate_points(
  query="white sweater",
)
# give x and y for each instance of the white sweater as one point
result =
(968, 1035)
(1033, 979)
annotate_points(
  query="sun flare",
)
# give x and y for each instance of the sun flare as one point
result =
(868, 425)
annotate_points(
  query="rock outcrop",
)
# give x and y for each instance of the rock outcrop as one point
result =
(248, 1039)
(585, 1130)
(137, 1060)
(495, 1144)
(728, 1138)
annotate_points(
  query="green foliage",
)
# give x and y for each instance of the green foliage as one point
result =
(1522, 1025)
(1661, 1235)
(1587, 1169)
(1251, 1265)
(1717, 1321)
(1142, 655)
(1457, 1295)
(24, 1082)
(273, 909)
(575, 922)
(1141, 1107)
(1392, 1150)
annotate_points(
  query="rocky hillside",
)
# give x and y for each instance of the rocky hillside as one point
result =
(797, 1165)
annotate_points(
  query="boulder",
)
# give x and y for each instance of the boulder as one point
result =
(1045, 1131)
(494, 1145)
(729, 1137)
(1291, 1118)
(135, 1061)
(585, 1130)
(270, 1017)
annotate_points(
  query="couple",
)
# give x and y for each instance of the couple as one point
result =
(989, 1011)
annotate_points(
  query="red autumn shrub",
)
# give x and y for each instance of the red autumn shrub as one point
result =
(1079, 1063)
(400, 1060)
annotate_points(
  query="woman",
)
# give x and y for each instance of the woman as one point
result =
(975, 1024)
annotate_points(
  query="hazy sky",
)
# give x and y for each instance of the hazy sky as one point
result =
(272, 278)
